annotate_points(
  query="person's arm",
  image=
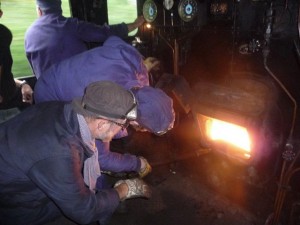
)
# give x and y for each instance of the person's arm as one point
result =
(116, 162)
(137, 23)
(60, 178)
(26, 90)
(90, 32)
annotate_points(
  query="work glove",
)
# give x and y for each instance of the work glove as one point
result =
(146, 169)
(137, 188)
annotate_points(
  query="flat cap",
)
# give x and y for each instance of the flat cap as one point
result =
(105, 99)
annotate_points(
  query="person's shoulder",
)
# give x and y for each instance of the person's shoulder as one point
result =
(5, 37)
(3, 28)
(32, 26)
(71, 20)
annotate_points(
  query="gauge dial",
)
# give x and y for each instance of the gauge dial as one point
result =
(187, 10)
(168, 4)
(149, 11)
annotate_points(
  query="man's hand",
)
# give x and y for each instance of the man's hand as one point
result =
(145, 167)
(26, 90)
(151, 63)
(27, 93)
(132, 188)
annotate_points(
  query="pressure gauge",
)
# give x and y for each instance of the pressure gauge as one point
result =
(149, 11)
(187, 10)
(168, 4)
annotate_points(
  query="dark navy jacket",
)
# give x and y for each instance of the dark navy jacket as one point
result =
(53, 38)
(41, 161)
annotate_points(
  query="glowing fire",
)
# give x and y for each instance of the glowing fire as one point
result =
(228, 132)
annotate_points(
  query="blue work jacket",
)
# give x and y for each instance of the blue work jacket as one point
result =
(116, 61)
(53, 38)
(41, 162)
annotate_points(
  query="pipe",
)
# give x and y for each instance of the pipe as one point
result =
(283, 187)
(285, 173)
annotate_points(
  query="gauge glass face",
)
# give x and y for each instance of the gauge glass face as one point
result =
(187, 10)
(149, 11)
(168, 4)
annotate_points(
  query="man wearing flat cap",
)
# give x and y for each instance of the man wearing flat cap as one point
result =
(48, 159)
(53, 37)
(119, 62)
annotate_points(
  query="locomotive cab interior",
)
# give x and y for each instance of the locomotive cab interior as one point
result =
(232, 69)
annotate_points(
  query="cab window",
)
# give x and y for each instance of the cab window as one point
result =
(18, 15)
(120, 12)
(19, 18)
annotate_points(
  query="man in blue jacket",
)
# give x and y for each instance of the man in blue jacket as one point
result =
(115, 60)
(119, 62)
(53, 37)
(48, 159)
